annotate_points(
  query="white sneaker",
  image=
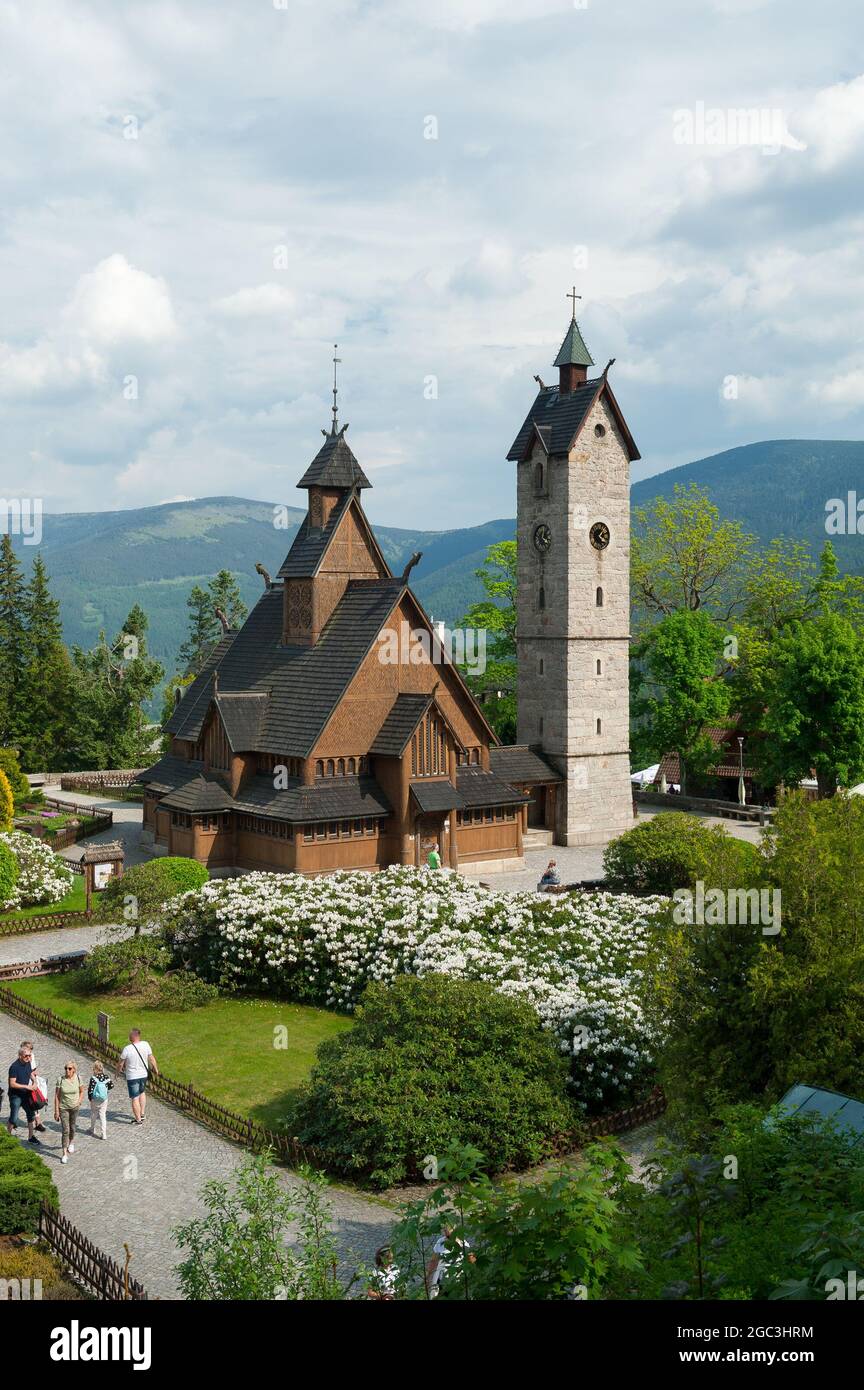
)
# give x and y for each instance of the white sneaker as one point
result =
(64, 1159)
(71, 1149)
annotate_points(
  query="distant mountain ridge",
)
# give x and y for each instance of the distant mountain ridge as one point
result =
(101, 563)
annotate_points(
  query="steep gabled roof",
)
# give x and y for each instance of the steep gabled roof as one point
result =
(563, 417)
(573, 351)
(436, 795)
(406, 713)
(334, 466)
(199, 794)
(241, 717)
(311, 543)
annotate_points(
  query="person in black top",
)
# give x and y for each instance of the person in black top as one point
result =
(20, 1097)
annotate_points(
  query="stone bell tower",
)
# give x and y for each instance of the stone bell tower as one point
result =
(573, 456)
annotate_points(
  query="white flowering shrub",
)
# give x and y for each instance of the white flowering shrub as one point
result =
(578, 959)
(42, 877)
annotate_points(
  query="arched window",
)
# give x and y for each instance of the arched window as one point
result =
(319, 768)
(599, 667)
(541, 666)
(341, 767)
(330, 767)
(541, 598)
(599, 598)
(539, 476)
(599, 726)
(352, 767)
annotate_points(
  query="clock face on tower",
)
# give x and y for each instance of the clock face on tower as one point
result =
(599, 535)
(542, 538)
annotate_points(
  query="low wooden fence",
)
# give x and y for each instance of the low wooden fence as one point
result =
(43, 921)
(88, 1264)
(45, 965)
(621, 1120)
(99, 781)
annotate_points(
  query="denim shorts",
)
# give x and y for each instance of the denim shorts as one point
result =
(20, 1101)
(137, 1087)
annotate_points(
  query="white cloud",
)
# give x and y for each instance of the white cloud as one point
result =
(115, 302)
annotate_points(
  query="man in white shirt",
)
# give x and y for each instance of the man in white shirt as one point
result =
(137, 1061)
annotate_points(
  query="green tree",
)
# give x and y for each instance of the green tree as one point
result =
(496, 616)
(205, 628)
(554, 1239)
(681, 688)
(112, 683)
(239, 1250)
(13, 644)
(46, 680)
(683, 556)
(814, 704)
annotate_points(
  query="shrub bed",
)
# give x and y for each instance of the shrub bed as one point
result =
(41, 877)
(578, 960)
(140, 894)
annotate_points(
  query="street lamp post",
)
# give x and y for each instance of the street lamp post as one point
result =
(742, 790)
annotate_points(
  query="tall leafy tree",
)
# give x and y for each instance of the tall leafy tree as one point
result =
(205, 628)
(683, 555)
(113, 683)
(495, 615)
(46, 678)
(13, 644)
(814, 704)
(682, 689)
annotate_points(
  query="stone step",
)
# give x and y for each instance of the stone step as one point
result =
(536, 838)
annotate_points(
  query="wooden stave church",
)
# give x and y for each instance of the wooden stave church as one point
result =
(297, 749)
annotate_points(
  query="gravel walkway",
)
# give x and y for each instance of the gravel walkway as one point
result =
(38, 945)
(139, 1183)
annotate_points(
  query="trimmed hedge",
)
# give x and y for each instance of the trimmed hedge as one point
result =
(429, 1063)
(674, 850)
(152, 884)
(25, 1183)
(8, 874)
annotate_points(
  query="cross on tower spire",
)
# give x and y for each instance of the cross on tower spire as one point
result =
(336, 359)
(574, 296)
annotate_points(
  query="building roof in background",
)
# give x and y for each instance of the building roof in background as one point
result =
(334, 465)
(517, 762)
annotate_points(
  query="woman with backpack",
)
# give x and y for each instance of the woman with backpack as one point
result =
(97, 1093)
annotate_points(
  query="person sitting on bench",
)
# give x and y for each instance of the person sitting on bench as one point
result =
(550, 879)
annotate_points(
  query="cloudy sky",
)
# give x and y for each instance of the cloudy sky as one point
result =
(200, 197)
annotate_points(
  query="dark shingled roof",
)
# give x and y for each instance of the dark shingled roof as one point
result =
(393, 736)
(200, 794)
(334, 466)
(479, 788)
(304, 684)
(241, 715)
(334, 798)
(559, 419)
(202, 682)
(169, 772)
(436, 796)
(519, 763)
(311, 542)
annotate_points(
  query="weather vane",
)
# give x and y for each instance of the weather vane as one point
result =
(335, 361)
(574, 296)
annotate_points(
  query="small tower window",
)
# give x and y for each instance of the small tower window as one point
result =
(541, 666)
(541, 598)
(539, 477)
(541, 726)
(599, 431)
(599, 597)
(599, 726)
(599, 667)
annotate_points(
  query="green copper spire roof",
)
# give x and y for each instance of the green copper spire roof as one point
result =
(573, 349)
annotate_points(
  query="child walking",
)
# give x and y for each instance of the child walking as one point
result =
(97, 1093)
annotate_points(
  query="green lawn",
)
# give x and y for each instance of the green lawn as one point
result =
(225, 1049)
(74, 901)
